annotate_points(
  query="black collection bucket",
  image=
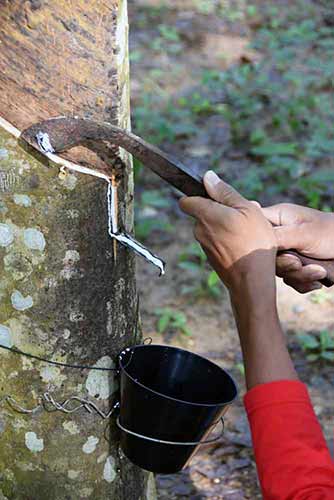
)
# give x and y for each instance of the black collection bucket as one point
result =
(170, 401)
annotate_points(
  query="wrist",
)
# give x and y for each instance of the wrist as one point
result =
(254, 302)
(254, 288)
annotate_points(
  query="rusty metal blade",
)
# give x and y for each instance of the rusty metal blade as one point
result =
(65, 133)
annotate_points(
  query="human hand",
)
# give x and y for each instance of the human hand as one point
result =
(238, 240)
(311, 233)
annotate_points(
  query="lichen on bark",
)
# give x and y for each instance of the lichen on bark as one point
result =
(64, 293)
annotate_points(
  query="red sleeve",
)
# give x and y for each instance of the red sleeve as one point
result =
(291, 454)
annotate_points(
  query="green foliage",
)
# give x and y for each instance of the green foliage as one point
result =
(321, 296)
(171, 320)
(199, 104)
(168, 40)
(169, 33)
(288, 96)
(159, 125)
(152, 203)
(241, 368)
(205, 283)
(136, 56)
(318, 346)
(279, 108)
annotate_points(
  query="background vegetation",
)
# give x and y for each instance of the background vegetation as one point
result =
(244, 88)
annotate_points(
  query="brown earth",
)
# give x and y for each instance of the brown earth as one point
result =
(226, 471)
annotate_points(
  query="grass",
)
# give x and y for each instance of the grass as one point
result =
(318, 347)
(205, 282)
(280, 110)
(172, 321)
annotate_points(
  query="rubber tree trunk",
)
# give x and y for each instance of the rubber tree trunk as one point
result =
(66, 292)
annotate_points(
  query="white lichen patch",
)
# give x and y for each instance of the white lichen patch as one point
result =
(22, 200)
(68, 273)
(3, 207)
(109, 470)
(71, 427)
(73, 213)
(27, 364)
(2, 423)
(69, 181)
(52, 374)
(23, 166)
(75, 316)
(6, 235)
(20, 302)
(90, 445)
(102, 457)
(3, 154)
(5, 336)
(71, 256)
(86, 492)
(19, 327)
(101, 384)
(69, 261)
(73, 474)
(33, 443)
(66, 334)
(17, 265)
(34, 239)
(26, 467)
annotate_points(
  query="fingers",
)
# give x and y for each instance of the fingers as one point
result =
(304, 279)
(286, 263)
(225, 194)
(218, 191)
(196, 206)
(303, 288)
(294, 236)
(306, 274)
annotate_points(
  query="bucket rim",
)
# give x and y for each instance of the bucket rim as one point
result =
(191, 403)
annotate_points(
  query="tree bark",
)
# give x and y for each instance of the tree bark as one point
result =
(65, 293)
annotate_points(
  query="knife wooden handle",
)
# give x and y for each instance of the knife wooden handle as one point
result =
(326, 264)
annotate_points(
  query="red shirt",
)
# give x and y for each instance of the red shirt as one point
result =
(292, 457)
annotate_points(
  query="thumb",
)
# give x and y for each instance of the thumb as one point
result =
(292, 237)
(219, 191)
(285, 213)
(273, 214)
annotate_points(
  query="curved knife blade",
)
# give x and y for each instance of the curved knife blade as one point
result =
(65, 133)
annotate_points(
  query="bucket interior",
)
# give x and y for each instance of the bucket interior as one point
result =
(179, 374)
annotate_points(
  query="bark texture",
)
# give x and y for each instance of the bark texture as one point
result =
(64, 291)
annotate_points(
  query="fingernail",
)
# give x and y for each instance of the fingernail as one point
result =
(318, 275)
(294, 266)
(316, 286)
(212, 178)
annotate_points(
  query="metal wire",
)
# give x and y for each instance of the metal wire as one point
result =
(56, 363)
(72, 404)
(47, 402)
(177, 443)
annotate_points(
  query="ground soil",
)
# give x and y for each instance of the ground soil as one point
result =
(227, 470)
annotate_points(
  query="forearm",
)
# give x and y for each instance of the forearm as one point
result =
(292, 458)
(265, 354)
